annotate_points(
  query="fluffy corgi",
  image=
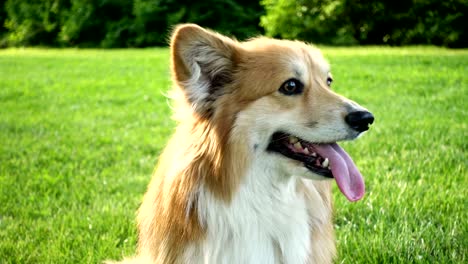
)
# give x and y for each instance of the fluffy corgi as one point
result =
(246, 178)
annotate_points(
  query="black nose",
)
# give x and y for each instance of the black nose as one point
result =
(359, 120)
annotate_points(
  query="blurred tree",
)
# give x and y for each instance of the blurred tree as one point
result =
(394, 22)
(3, 29)
(140, 23)
(439, 23)
(104, 23)
(122, 23)
(408, 22)
(311, 20)
(154, 18)
(33, 22)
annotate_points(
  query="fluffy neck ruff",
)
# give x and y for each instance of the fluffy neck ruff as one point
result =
(209, 195)
(201, 157)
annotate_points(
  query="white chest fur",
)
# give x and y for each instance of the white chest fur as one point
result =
(266, 222)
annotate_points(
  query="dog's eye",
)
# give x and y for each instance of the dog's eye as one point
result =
(291, 87)
(329, 81)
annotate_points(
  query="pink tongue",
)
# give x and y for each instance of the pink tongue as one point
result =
(346, 174)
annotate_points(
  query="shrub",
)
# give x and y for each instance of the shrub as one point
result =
(153, 18)
(121, 23)
(319, 21)
(33, 22)
(140, 23)
(102, 23)
(369, 22)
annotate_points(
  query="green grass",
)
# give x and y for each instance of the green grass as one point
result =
(80, 132)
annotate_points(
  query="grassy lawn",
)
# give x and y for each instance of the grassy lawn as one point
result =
(80, 132)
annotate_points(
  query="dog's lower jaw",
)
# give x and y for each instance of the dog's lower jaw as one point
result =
(279, 221)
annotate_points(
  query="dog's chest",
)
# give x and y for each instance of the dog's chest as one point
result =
(268, 228)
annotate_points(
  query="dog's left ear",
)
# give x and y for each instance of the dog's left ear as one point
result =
(202, 64)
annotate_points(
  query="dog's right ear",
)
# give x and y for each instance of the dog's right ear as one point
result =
(202, 64)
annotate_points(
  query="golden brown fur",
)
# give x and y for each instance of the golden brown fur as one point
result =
(210, 149)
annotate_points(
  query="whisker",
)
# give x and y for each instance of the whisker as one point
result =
(281, 138)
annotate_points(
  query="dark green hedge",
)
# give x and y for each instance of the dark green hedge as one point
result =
(140, 23)
(391, 22)
(120, 23)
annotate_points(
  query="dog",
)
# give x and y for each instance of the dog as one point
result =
(246, 177)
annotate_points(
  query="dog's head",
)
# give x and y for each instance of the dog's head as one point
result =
(273, 97)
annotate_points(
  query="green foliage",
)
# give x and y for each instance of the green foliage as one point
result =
(154, 18)
(106, 23)
(375, 22)
(122, 23)
(3, 29)
(141, 23)
(408, 22)
(81, 130)
(33, 22)
(102, 23)
(315, 20)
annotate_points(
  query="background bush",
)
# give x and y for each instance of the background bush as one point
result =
(154, 18)
(393, 22)
(141, 23)
(120, 23)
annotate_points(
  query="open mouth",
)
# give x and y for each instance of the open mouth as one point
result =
(298, 149)
(324, 159)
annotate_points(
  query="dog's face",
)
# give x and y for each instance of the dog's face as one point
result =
(275, 97)
(297, 100)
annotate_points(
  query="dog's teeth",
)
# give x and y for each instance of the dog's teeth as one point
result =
(313, 154)
(325, 163)
(293, 139)
(298, 145)
(306, 151)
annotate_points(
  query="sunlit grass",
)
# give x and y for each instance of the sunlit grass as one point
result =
(80, 131)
